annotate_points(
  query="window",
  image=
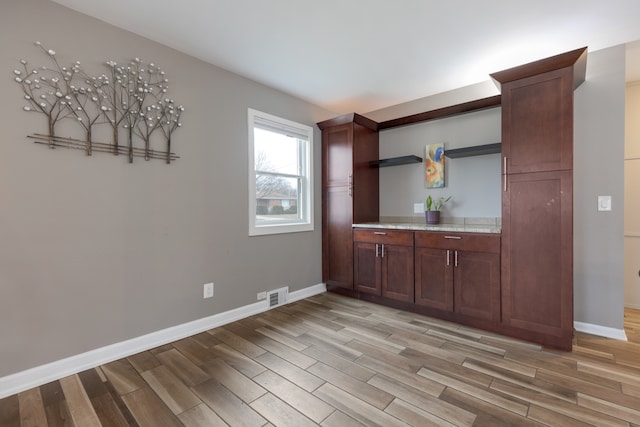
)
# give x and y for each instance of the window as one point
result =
(280, 178)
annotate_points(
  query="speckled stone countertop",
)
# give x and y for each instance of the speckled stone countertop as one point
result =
(454, 227)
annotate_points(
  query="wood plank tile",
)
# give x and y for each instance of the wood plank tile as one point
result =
(354, 407)
(425, 401)
(568, 409)
(414, 416)
(551, 418)
(109, 413)
(10, 411)
(328, 345)
(55, 405)
(173, 392)
(366, 392)
(32, 413)
(395, 359)
(631, 414)
(481, 393)
(372, 340)
(240, 344)
(123, 376)
(237, 360)
(241, 386)
(225, 404)
(487, 414)
(106, 401)
(279, 413)
(143, 361)
(284, 324)
(450, 369)
(206, 339)
(526, 381)
(290, 371)
(451, 337)
(201, 416)
(282, 338)
(149, 410)
(82, 411)
(193, 350)
(182, 367)
(298, 398)
(340, 419)
(408, 378)
(340, 363)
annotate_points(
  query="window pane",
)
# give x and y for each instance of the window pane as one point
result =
(276, 199)
(275, 152)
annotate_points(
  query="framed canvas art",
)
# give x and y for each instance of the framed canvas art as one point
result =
(434, 166)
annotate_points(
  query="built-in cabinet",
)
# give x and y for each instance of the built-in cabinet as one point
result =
(537, 200)
(458, 272)
(520, 283)
(349, 191)
(383, 263)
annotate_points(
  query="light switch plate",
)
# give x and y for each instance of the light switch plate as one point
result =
(418, 207)
(604, 203)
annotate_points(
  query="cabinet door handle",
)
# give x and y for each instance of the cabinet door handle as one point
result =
(380, 233)
(350, 185)
(448, 257)
(453, 237)
(376, 250)
(456, 259)
(383, 250)
(504, 175)
(504, 164)
(504, 179)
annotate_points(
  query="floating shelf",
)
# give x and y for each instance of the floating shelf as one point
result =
(476, 150)
(395, 161)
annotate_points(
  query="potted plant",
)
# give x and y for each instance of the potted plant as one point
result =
(433, 207)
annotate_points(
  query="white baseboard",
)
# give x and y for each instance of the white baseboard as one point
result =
(44, 374)
(633, 306)
(602, 331)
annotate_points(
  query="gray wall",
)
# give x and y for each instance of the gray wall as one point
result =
(473, 182)
(95, 250)
(599, 170)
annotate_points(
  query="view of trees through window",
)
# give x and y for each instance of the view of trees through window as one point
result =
(278, 175)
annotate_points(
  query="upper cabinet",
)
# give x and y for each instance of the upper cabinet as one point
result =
(537, 113)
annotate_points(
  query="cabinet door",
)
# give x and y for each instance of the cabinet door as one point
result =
(433, 278)
(476, 284)
(397, 272)
(537, 122)
(537, 257)
(337, 239)
(337, 155)
(367, 267)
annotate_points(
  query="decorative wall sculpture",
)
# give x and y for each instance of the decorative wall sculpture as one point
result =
(131, 98)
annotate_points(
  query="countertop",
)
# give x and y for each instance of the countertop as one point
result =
(459, 228)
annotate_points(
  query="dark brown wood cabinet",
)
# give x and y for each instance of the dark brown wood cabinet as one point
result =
(458, 272)
(349, 191)
(383, 263)
(537, 200)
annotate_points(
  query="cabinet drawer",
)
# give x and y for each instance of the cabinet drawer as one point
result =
(384, 236)
(459, 241)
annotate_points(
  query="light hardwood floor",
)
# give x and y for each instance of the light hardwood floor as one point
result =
(335, 361)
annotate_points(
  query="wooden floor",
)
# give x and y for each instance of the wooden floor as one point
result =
(335, 361)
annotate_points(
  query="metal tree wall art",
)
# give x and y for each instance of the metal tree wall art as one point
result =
(132, 97)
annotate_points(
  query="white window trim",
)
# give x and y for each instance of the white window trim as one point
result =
(307, 223)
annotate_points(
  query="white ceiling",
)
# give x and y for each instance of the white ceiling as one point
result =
(363, 55)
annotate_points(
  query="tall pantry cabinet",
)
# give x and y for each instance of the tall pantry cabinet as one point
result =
(349, 192)
(537, 199)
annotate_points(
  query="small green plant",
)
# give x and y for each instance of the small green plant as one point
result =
(432, 204)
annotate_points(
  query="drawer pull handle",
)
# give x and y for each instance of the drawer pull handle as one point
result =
(453, 237)
(380, 233)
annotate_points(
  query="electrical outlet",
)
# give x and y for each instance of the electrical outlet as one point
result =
(418, 207)
(261, 296)
(604, 203)
(208, 290)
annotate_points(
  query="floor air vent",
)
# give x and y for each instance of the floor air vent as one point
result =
(277, 297)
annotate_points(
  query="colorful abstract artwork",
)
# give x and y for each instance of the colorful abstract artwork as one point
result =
(434, 166)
